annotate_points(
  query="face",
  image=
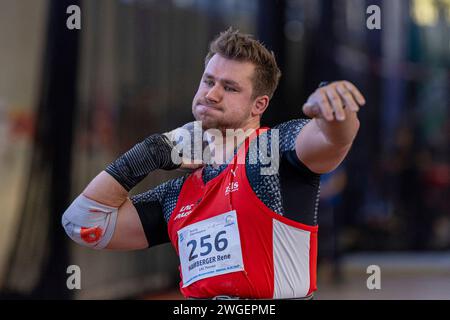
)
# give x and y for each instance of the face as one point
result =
(224, 97)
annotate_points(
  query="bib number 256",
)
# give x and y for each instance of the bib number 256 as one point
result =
(220, 243)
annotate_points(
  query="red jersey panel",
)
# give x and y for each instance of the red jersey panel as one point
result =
(230, 243)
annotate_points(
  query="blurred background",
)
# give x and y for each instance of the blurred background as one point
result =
(71, 101)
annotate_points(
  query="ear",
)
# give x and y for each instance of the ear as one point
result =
(260, 105)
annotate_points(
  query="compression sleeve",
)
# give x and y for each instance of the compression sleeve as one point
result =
(151, 154)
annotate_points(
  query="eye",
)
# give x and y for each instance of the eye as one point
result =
(230, 89)
(208, 82)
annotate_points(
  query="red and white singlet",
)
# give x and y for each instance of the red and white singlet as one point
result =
(230, 243)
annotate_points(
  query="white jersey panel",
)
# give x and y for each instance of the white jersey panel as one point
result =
(291, 261)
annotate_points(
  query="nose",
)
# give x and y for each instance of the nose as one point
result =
(214, 95)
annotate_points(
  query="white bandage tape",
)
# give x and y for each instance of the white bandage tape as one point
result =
(90, 223)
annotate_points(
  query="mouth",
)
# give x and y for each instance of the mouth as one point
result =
(206, 107)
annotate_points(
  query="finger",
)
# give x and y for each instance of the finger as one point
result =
(355, 92)
(318, 109)
(189, 168)
(348, 98)
(311, 110)
(324, 104)
(336, 103)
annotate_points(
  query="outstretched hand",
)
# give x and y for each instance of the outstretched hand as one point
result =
(334, 102)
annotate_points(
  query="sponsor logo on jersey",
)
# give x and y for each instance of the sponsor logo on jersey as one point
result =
(184, 211)
(232, 187)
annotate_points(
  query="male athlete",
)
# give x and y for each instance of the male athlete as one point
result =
(239, 232)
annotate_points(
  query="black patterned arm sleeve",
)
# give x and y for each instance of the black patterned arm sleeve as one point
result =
(152, 153)
(288, 132)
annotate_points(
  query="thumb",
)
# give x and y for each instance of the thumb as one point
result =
(311, 110)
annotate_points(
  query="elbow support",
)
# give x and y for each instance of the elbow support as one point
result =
(89, 223)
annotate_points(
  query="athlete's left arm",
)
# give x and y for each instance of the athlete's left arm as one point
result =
(325, 141)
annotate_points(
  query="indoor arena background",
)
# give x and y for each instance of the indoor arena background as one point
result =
(72, 100)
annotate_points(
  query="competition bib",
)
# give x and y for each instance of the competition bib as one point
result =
(209, 248)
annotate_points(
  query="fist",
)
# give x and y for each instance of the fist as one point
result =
(185, 140)
(333, 102)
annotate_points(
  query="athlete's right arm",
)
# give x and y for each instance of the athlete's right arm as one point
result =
(103, 216)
